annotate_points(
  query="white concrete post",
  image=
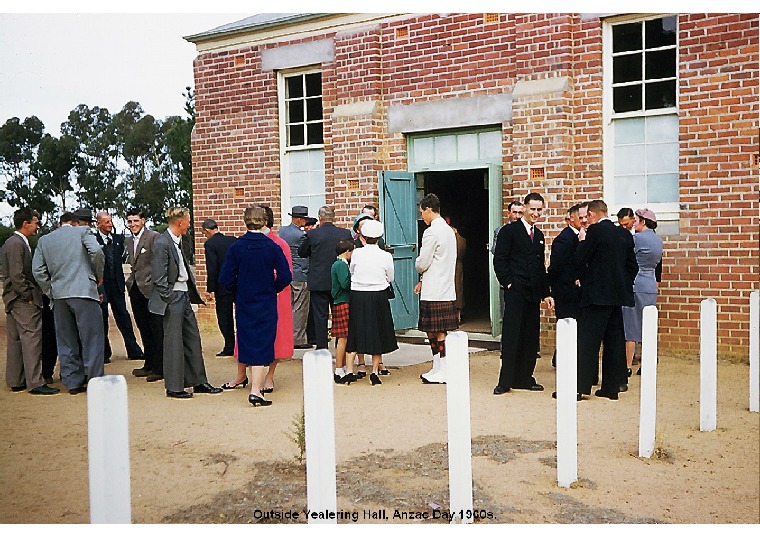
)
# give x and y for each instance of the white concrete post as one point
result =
(754, 351)
(108, 450)
(708, 365)
(567, 412)
(319, 416)
(648, 403)
(460, 434)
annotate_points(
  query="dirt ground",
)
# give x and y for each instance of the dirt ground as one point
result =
(215, 459)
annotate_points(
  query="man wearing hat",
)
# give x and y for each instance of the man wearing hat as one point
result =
(294, 234)
(215, 248)
(319, 246)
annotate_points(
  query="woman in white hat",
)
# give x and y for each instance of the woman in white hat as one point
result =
(370, 325)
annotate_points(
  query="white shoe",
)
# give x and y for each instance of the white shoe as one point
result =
(434, 369)
(436, 377)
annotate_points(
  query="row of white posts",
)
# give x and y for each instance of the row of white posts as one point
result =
(108, 432)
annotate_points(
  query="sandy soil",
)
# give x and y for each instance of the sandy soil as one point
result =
(216, 459)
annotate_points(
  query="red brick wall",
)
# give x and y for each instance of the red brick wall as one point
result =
(431, 57)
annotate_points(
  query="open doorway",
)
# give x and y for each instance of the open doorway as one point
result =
(464, 200)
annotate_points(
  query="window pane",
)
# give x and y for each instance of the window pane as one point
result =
(295, 135)
(490, 144)
(314, 109)
(629, 159)
(660, 95)
(445, 149)
(295, 111)
(293, 87)
(317, 181)
(316, 159)
(423, 151)
(662, 158)
(313, 84)
(629, 131)
(299, 183)
(662, 188)
(626, 98)
(314, 133)
(661, 64)
(298, 161)
(467, 147)
(629, 191)
(626, 37)
(626, 68)
(662, 128)
(660, 32)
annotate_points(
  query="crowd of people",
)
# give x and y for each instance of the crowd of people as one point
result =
(313, 282)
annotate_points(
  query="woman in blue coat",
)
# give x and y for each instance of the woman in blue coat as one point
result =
(255, 270)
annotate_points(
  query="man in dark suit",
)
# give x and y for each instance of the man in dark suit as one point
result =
(608, 267)
(139, 248)
(113, 288)
(519, 265)
(23, 307)
(215, 247)
(319, 246)
(173, 293)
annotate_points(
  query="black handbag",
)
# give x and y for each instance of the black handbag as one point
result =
(391, 293)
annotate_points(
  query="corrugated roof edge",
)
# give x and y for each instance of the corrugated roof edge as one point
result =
(256, 22)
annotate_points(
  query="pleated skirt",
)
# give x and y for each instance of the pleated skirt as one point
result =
(370, 325)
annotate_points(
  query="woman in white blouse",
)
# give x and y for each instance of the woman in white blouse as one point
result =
(370, 324)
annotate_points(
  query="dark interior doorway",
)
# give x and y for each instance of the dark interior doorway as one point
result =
(464, 200)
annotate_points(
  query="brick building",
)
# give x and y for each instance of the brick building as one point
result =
(346, 109)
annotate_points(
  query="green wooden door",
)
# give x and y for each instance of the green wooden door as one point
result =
(399, 214)
(495, 197)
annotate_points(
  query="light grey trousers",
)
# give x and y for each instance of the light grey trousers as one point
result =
(79, 321)
(299, 300)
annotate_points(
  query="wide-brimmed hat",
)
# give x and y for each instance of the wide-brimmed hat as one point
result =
(372, 229)
(647, 214)
(360, 218)
(299, 211)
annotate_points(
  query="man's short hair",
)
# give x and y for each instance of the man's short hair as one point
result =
(514, 203)
(25, 214)
(574, 209)
(67, 218)
(344, 245)
(597, 206)
(326, 214)
(625, 212)
(311, 221)
(371, 208)
(176, 213)
(533, 196)
(255, 217)
(134, 211)
(209, 223)
(431, 202)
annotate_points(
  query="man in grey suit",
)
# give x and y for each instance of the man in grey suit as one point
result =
(68, 265)
(139, 248)
(294, 235)
(23, 306)
(173, 293)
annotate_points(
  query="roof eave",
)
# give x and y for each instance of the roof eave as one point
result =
(285, 21)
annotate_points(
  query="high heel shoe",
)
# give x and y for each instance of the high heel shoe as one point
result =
(629, 372)
(268, 390)
(226, 386)
(374, 379)
(383, 371)
(256, 400)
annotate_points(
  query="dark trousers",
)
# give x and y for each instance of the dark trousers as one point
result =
(183, 352)
(597, 326)
(151, 328)
(49, 345)
(226, 319)
(519, 340)
(320, 302)
(115, 297)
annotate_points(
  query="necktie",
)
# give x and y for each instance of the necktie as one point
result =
(531, 233)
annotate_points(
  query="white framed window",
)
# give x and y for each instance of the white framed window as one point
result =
(302, 155)
(641, 151)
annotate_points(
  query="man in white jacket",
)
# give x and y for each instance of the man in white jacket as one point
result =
(436, 265)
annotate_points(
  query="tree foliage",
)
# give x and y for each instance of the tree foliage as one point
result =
(101, 160)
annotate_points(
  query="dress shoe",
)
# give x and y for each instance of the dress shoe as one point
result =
(532, 388)
(578, 397)
(228, 386)
(629, 372)
(48, 380)
(153, 377)
(638, 372)
(608, 395)
(303, 346)
(18, 388)
(106, 360)
(383, 371)
(257, 400)
(78, 389)
(44, 390)
(499, 390)
(141, 372)
(206, 388)
(348, 378)
(623, 388)
(179, 395)
(374, 379)
(225, 353)
(360, 375)
(267, 390)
